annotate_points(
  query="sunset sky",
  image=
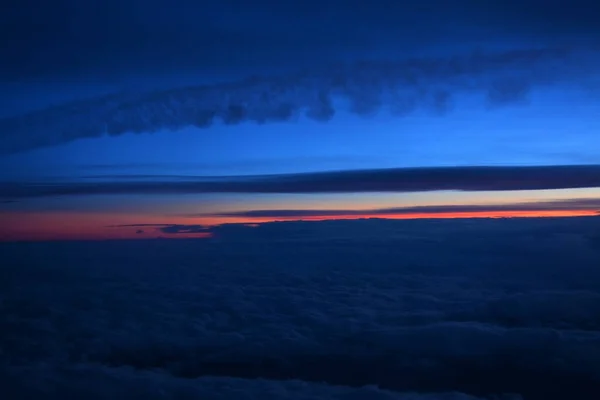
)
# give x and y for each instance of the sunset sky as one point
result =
(164, 125)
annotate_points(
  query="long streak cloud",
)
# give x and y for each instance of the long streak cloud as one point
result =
(375, 180)
(398, 86)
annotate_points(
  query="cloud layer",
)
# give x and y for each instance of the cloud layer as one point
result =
(399, 86)
(309, 310)
(376, 180)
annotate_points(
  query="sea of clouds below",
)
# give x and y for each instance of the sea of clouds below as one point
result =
(372, 309)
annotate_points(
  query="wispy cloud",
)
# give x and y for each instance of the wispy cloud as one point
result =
(167, 228)
(375, 180)
(400, 86)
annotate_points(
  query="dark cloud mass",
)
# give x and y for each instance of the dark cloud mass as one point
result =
(373, 310)
(174, 229)
(424, 45)
(401, 86)
(171, 229)
(376, 180)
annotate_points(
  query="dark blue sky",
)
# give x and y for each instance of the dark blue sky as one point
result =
(120, 90)
(120, 39)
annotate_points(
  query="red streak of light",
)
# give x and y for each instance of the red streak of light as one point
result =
(477, 214)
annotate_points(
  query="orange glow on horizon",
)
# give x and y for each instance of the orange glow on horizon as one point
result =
(451, 215)
(83, 226)
(93, 226)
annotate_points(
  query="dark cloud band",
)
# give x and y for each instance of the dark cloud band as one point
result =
(377, 180)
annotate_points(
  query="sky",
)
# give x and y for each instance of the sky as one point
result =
(140, 119)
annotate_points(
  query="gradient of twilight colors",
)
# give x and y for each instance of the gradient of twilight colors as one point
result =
(501, 91)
